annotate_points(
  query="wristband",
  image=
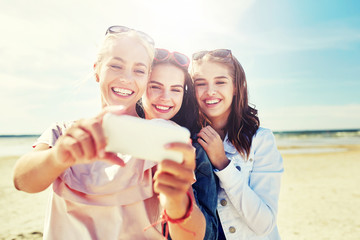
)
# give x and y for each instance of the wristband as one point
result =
(164, 218)
(185, 217)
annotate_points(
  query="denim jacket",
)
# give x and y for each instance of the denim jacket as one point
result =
(205, 191)
(249, 189)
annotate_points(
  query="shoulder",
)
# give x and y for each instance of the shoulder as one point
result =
(261, 132)
(58, 128)
(200, 151)
(53, 132)
(203, 164)
(263, 135)
(265, 150)
(61, 127)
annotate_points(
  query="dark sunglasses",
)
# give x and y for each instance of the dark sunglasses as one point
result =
(221, 53)
(162, 54)
(120, 29)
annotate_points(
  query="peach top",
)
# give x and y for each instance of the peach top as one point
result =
(101, 200)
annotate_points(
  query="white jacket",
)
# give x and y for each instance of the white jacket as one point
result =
(249, 189)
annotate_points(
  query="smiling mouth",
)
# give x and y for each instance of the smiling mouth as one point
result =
(162, 108)
(122, 91)
(212, 101)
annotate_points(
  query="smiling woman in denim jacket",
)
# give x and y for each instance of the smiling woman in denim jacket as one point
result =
(170, 95)
(244, 155)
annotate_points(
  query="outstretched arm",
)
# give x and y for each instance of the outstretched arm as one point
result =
(83, 142)
(172, 182)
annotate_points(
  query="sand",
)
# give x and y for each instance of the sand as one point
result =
(319, 199)
(21, 214)
(320, 195)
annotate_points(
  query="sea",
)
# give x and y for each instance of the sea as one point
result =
(316, 141)
(16, 145)
(289, 142)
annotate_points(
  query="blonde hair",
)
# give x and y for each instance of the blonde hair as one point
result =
(111, 37)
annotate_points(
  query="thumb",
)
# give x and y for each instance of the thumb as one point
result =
(116, 109)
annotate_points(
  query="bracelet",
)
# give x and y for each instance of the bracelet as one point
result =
(185, 217)
(164, 218)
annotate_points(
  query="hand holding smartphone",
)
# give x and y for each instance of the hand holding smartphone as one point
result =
(141, 138)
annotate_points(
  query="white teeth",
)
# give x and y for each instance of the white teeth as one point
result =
(162, 107)
(213, 101)
(122, 91)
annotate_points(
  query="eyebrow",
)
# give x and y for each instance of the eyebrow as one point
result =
(123, 61)
(156, 82)
(221, 77)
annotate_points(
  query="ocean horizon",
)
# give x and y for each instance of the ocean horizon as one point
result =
(290, 142)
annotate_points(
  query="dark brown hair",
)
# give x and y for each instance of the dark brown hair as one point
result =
(243, 121)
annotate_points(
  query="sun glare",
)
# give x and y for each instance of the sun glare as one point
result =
(183, 25)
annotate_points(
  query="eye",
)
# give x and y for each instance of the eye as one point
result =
(116, 67)
(199, 84)
(178, 90)
(154, 87)
(139, 71)
(220, 82)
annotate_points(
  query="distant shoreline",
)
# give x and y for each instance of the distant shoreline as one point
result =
(19, 135)
(297, 132)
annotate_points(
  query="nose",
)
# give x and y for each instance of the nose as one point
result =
(165, 95)
(211, 90)
(126, 77)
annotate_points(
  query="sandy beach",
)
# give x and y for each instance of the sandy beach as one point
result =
(320, 195)
(320, 198)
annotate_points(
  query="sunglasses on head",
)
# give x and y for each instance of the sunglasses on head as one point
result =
(162, 54)
(221, 53)
(120, 29)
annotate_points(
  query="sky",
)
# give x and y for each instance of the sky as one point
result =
(301, 58)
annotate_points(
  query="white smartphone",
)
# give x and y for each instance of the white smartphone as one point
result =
(144, 139)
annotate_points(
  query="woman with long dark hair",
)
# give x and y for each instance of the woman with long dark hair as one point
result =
(244, 155)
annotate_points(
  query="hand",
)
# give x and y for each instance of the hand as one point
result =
(84, 142)
(211, 141)
(172, 180)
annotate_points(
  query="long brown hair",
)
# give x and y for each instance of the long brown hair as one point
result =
(243, 121)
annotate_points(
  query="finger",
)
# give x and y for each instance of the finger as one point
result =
(85, 140)
(94, 128)
(187, 150)
(205, 132)
(72, 146)
(203, 143)
(113, 159)
(208, 133)
(211, 131)
(172, 181)
(166, 190)
(204, 137)
(176, 169)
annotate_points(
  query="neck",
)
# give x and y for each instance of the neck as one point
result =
(219, 124)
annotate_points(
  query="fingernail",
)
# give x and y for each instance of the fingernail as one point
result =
(101, 153)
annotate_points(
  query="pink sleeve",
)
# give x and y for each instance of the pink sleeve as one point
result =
(52, 133)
